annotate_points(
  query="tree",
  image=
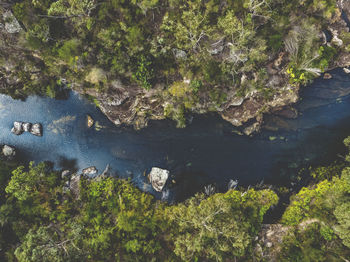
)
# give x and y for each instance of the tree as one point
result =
(49, 243)
(221, 226)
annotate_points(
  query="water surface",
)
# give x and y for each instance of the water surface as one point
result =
(207, 151)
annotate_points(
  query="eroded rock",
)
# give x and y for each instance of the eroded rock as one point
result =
(36, 129)
(11, 24)
(27, 127)
(17, 128)
(90, 171)
(158, 178)
(65, 174)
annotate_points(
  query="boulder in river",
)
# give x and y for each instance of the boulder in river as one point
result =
(36, 129)
(89, 121)
(17, 128)
(27, 126)
(346, 70)
(158, 178)
(327, 76)
(8, 151)
(90, 171)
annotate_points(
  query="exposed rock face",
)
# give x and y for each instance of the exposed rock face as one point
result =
(65, 174)
(8, 151)
(37, 130)
(74, 185)
(89, 121)
(270, 237)
(11, 25)
(158, 178)
(90, 171)
(106, 173)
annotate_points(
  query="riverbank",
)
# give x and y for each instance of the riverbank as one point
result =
(73, 216)
(265, 86)
(209, 151)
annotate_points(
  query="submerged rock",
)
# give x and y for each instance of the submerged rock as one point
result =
(89, 121)
(158, 178)
(327, 76)
(37, 130)
(90, 171)
(9, 151)
(17, 128)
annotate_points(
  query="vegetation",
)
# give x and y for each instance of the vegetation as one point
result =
(111, 220)
(319, 216)
(226, 46)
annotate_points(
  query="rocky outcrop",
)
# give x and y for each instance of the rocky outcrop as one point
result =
(107, 172)
(11, 24)
(66, 174)
(158, 178)
(8, 151)
(269, 242)
(74, 185)
(89, 171)
(20, 127)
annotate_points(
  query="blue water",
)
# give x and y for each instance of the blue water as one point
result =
(207, 151)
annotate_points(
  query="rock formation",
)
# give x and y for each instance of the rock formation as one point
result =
(158, 178)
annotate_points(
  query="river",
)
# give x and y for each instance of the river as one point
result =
(208, 151)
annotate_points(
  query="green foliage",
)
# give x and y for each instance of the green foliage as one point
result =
(326, 206)
(309, 244)
(144, 73)
(219, 227)
(69, 51)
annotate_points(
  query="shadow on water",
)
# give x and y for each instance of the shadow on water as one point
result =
(208, 151)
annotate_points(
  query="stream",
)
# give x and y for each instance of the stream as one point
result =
(208, 151)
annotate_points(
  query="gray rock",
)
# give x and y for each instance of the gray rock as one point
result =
(90, 171)
(217, 47)
(268, 244)
(346, 70)
(27, 127)
(9, 151)
(11, 24)
(106, 173)
(65, 173)
(17, 128)
(74, 185)
(158, 178)
(179, 54)
(36, 129)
